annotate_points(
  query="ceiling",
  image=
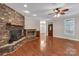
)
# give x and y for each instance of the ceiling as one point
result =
(43, 9)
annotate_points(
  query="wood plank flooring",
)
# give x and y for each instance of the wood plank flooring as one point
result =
(54, 47)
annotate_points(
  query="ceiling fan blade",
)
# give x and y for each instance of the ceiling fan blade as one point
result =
(62, 13)
(65, 9)
(50, 13)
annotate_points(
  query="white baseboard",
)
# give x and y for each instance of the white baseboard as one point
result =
(67, 38)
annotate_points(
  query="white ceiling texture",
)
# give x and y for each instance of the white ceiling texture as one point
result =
(40, 11)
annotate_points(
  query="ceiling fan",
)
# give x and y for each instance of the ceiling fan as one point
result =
(60, 11)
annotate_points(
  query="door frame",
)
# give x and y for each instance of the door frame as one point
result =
(50, 33)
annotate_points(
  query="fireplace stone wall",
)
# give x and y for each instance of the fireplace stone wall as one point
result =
(10, 17)
(4, 33)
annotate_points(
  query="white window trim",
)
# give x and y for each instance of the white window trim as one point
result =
(73, 29)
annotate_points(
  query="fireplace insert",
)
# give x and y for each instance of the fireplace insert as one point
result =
(15, 34)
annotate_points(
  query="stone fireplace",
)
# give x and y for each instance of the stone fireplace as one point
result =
(11, 28)
(15, 32)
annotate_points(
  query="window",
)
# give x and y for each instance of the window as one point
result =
(69, 26)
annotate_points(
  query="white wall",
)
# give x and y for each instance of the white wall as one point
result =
(77, 27)
(58, 28)
(32, 23)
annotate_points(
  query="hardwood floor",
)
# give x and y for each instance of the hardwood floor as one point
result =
(54, 47)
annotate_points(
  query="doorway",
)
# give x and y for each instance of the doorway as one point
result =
(50, 29)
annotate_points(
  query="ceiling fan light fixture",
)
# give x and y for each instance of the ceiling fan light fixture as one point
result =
(55, 10)
(58, 15)
(59, 11)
